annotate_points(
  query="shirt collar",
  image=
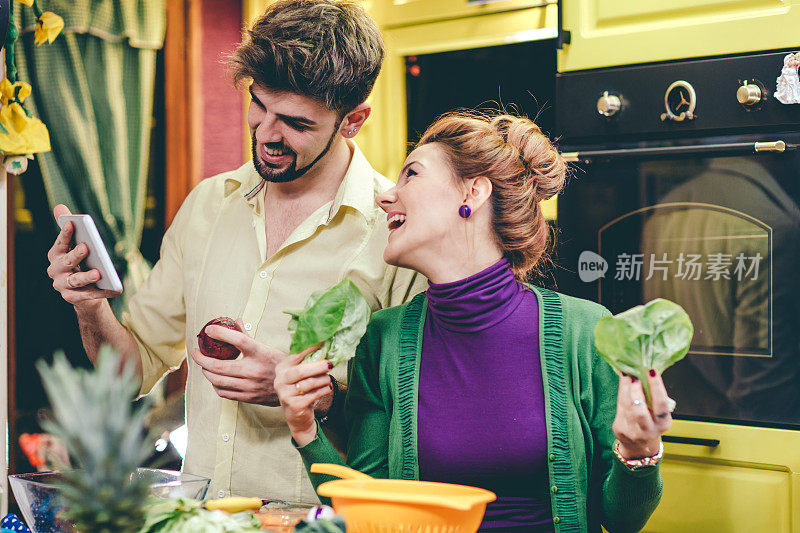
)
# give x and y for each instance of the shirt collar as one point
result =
(358, 186)
(357, 189)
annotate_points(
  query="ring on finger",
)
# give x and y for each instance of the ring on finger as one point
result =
(299, 390)
(637, 402)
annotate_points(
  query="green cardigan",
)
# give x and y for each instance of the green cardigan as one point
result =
(589, 486)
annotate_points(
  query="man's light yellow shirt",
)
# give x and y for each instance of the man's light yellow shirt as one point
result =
(213, 264)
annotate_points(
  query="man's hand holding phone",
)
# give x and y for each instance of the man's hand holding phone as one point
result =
(75, 285)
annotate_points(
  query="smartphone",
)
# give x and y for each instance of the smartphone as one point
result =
(86, 232)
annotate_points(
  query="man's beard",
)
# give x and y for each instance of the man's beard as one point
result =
(290, 173)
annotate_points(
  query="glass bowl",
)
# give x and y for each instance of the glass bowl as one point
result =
(40, 501)
(173, 484)
(281, 517)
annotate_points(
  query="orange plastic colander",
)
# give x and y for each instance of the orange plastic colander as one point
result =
(371, 505)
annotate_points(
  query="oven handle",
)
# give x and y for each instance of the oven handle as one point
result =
(589, 156)
(711, 443)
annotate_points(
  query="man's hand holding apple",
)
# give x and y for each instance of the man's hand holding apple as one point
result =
(249, 378)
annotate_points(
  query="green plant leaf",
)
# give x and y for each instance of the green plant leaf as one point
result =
(337, 317)
(319, 320)
(654, 335)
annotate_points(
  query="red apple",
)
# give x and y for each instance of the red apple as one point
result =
(214, 348)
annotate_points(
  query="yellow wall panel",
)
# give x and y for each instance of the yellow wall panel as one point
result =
(618, 32)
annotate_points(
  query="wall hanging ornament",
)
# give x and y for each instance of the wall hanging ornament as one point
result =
(22, 135)
(788, 90)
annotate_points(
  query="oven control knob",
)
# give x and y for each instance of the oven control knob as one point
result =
(749, 94)
(609, 105)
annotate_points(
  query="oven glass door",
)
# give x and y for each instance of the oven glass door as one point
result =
(716, 232)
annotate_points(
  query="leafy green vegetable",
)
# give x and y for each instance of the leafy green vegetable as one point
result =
(337, 316)
(654, 335)
(184, 515)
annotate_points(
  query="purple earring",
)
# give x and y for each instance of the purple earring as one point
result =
(464, 211)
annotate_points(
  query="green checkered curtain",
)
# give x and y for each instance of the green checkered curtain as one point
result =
(93, 88)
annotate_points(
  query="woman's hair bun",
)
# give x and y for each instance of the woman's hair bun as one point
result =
(537, 153)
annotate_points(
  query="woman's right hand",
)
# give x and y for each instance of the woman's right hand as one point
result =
(298, 386)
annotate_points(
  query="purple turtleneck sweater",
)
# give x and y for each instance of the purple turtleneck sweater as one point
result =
(481, 398)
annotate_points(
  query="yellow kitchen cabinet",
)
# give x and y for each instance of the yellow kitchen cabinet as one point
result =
(619, 32)
(749, 482)
(394, 13)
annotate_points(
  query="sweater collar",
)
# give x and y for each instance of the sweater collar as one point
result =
(476, 302)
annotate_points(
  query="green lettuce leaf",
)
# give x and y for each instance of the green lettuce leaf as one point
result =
(654, 335)
(337, 317)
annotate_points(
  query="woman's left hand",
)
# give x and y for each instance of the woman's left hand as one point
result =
(299, 385)
(637, 427)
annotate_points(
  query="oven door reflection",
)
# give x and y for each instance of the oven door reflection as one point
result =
(721, 237)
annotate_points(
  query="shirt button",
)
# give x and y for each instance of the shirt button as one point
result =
(552, 457)
(248, 326)
(556, 520)
(226, 437)
(553, 489)
(221, 494)
(263, 273)
(254, 223)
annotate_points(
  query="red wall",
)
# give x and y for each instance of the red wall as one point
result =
(223, 116)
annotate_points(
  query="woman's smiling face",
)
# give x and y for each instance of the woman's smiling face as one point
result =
(422, 210)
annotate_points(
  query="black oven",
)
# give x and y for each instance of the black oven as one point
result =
(685, 185)
(517, 76)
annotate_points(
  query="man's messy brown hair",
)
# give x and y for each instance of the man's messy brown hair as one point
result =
(329, 50)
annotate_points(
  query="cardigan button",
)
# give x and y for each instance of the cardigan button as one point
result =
(553, 489)
(552, 457)
(556, 520)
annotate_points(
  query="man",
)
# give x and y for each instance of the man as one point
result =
(256, 241)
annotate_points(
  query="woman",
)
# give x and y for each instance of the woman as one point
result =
(482, 380)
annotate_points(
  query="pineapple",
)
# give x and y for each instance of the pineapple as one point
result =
(103, 431)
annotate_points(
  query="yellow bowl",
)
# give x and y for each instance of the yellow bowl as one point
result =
(401, 506)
